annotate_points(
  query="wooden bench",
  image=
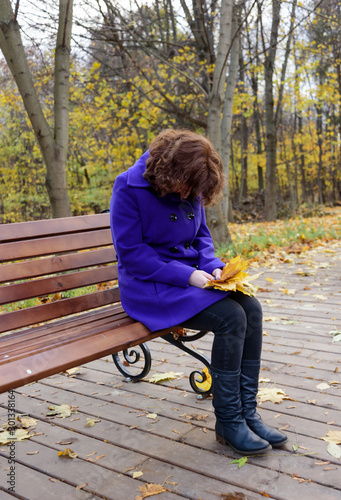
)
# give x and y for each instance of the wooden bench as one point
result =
(60, 302)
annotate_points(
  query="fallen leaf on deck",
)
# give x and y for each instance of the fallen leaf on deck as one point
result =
(71, 371)
(301, 272)
(61, 411)
(90, 422)
(240, 461)
(19, 434)
(137, 473)
(237, 495)
(149, 490)
(67, 453)
(272, 394)
(194, 416)
(163, 377)
(153, 416)
(323, 386)
(334, 450)
(333, 437)
(287, 291)
(81, 486)
(336, 335)
(26, 422)
(320, 297)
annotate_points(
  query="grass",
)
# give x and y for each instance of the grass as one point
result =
(253, 239)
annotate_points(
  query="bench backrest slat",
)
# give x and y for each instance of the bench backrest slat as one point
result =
(62, 255)
(61, 283)
(54, 244)
(64, 262)
(41, 228)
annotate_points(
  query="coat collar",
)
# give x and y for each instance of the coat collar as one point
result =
(135, 173)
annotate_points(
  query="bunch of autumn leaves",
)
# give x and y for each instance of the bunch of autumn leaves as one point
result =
(234, 278)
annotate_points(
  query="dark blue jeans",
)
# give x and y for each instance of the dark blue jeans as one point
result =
(236, 322)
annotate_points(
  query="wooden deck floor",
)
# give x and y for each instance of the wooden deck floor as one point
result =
(177, 448)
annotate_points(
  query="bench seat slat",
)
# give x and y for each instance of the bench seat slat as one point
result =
(55, 284)
(24, 230)
(64, 307)
(49, 265)
(40, 345)
(69, 326)
(61, 358)
(61, 323)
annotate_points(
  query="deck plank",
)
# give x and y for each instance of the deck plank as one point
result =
(178, 447)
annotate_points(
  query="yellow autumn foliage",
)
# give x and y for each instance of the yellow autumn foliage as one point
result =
(234, 278)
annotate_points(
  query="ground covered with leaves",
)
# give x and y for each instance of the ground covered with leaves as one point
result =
(259, 240)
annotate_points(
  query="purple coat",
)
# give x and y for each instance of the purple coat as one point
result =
(159, 241)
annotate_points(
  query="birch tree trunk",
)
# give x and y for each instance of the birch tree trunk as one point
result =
(228, 111)
(216, 218)
(53, 145)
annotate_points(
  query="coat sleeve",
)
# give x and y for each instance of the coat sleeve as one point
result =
(139, 258)
(204, 245)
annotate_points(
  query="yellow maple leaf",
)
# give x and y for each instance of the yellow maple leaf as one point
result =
(234, 277)
(272, 394)
(333, 437)
(18, 435)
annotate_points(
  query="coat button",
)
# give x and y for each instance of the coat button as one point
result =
(174, 249)
(173, 217)
(190, 215)
(187, 245)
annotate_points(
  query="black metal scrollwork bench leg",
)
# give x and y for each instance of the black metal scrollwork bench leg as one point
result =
(177, 339)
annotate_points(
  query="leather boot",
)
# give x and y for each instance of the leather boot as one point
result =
(249, 389)
(231, 427)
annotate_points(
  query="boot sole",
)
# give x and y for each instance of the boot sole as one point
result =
(251, 452)
(278, 445)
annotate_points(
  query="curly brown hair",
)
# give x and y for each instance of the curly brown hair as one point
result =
(184, 162)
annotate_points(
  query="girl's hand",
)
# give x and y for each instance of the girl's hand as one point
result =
(217, 273)
(199, 278)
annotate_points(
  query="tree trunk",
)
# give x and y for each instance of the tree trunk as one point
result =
(228, 112)
(271, 132)
(273, 117)
(53, 149)
(256, 113)
(302, 160)
(244, 136)
(320, 148)
(216, 218)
